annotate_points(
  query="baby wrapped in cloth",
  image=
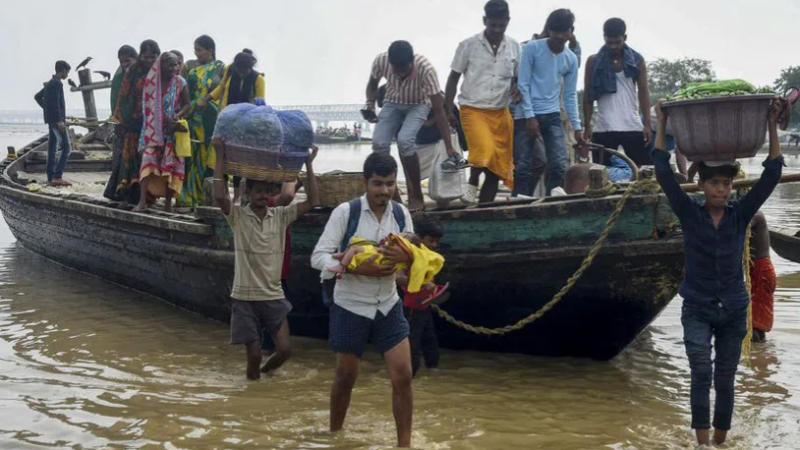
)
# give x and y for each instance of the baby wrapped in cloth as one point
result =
(425, 263)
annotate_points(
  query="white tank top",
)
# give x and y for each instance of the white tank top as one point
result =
(619, 111)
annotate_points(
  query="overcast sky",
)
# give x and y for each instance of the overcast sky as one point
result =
(320, 51)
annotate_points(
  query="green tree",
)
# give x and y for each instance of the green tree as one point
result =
(788, 79)
(665, 76)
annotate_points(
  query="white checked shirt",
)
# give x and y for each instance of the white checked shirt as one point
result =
(487, 77)
(359, 294)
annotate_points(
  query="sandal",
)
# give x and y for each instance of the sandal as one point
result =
(454, 164)
(437, 297)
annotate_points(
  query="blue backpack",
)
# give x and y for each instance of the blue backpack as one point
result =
(352, 225)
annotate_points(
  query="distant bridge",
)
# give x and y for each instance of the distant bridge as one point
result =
(321, 114)
(330, 113)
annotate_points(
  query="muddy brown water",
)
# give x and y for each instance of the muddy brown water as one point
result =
(87, 364)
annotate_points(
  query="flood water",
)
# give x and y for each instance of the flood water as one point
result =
(87, 364)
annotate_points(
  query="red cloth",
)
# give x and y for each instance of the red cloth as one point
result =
(762, 288)
(414, 300)
(287, 251)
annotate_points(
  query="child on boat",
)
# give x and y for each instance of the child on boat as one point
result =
(713, 289)
(258, 303)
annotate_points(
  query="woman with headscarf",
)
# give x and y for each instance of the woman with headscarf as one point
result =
(242, 84)
(165, 101)
(128, 114)
(127, 57)
(202, 117)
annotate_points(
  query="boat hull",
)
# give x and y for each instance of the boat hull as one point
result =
(503, 263)
(785, 244)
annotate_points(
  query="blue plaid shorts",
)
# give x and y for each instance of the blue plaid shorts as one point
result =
(349, 332)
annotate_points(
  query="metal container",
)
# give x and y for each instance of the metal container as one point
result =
(719, 128)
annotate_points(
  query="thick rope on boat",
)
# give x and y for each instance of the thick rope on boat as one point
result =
(748, 284)
(647, 186)
(604, 191)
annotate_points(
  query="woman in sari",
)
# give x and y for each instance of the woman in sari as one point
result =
(202, 117)
(128, 114)
(165, 101)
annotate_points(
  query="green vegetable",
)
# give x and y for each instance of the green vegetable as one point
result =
(720, 88)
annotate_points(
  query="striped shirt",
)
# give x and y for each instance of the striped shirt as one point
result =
(415, 88)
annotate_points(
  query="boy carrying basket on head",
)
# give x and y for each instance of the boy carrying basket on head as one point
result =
(258, 304)
(714, 295)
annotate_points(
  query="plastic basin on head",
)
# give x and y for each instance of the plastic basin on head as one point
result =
(719, 128)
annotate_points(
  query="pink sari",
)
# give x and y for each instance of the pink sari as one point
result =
(159, 159)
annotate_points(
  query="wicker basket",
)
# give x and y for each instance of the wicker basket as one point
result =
(339, 187)
(720, 128)
(270, 164)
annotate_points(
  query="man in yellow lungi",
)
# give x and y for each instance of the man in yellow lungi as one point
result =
(488, 62)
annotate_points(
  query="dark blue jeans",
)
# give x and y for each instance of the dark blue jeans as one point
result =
(700, 322)
(57, 141)
(529, 160)
(423, 340)
(556, 152)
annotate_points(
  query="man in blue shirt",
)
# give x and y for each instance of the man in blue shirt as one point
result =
(713, 289)
(544, 64)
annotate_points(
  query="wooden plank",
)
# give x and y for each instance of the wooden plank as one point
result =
(85, 78)
(106, 84)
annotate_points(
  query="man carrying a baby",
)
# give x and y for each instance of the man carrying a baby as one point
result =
(365, 301)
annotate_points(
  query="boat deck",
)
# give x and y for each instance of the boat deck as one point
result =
(91, 184)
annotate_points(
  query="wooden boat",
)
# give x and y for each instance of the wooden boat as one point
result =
(785, 242)
(504, 261)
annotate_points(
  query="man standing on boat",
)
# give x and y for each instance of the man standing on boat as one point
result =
(616, 77)
(412, 89)
(55, 117)
(488, 61)
(544, 64)
(365, 301)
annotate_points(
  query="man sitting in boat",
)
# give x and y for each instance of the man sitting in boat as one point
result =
(714, 293)
(365, 301)
(259, 235)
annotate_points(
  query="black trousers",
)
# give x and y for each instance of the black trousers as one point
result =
(424, 343)
(631, 141)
